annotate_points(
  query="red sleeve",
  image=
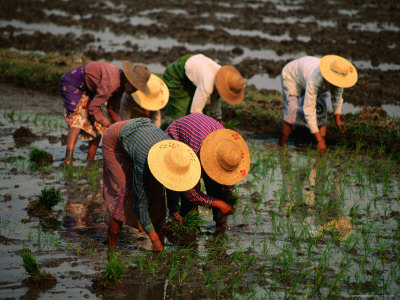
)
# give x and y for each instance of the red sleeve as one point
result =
(196, 196)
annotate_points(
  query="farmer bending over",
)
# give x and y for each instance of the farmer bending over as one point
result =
(225, 161)
(196, 80)
(305, 83)
(139, 104)
(86, 89)
(138, 160)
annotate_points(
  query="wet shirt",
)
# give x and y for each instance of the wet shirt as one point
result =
(303, 76)
(137, 137)
(202, 70)
(192, 130)
(103, 80)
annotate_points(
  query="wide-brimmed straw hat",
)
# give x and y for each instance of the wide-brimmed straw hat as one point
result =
(174, 165)
(338, 71)
(158, 96)
(230, 84)
(225, 156)
(137, 75)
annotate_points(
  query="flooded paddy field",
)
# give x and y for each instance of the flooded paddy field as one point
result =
(258, 37)
(304, 226)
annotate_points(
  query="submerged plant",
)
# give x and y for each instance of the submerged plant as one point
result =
(49, 197)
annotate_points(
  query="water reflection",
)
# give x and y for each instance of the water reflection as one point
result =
(84, 218)
(315, 191)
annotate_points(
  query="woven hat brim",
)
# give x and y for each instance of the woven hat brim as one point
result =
(221, 83)
(172, 181)
(127, 68)
(209, 161)
(336, 79)
(158, 96)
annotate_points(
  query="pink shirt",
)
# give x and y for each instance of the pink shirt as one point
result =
(103, 80)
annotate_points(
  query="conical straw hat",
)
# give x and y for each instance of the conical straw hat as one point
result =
(158, 96)
(137, 75)
(338, 71)
(230, 84)
(225, 156)
(174, 165)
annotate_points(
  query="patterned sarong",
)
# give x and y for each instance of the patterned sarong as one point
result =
(76, 97)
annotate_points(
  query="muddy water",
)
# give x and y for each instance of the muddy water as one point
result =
(157, 33)
(347, 204)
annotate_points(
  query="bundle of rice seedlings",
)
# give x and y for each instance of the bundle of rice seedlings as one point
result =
(37, 279)
(49, 198)
(39, 158)
(115, 268)
(30, 264)
(185, 233)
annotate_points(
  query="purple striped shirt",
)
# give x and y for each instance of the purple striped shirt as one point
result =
(192, 130)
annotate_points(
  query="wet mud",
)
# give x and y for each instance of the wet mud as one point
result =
(365, 33)
(324, 230)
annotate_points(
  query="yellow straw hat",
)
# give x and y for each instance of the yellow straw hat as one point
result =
(137, 75)
(230, 84)
(174, 165)
(158, 96)
(225, 156)
(338, 71)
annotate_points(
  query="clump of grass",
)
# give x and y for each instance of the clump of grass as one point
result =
(37, 279)
(115, 267)
(35, 70)
(30, 264)
(113, 273)
(39, 158)
(233, 199)
(185, 233)
(191, 222)
(49, 198)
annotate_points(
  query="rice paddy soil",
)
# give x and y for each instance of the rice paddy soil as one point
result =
(305, 226)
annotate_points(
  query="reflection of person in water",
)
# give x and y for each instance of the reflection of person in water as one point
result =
(314, 179)
(83, 216)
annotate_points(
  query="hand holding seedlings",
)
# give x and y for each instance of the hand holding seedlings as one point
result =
(176, 217)
(225, 208)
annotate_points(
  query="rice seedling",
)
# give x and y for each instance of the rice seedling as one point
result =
(115, 267)
(30, 264)
(39, 158)
(191, 222)
(50, 197)
(37, 277)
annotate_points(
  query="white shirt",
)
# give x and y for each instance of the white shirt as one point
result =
(201, 70)
(303, 75)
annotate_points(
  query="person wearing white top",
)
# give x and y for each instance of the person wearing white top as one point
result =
(305, 83)
(196, 80)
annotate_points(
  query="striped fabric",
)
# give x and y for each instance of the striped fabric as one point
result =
(192, 130)
(137, 137)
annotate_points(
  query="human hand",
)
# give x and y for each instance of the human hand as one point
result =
(321, 143)
(340, 124)
(225, 208)
(321, 146)
(155, 240)
(176, 217)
